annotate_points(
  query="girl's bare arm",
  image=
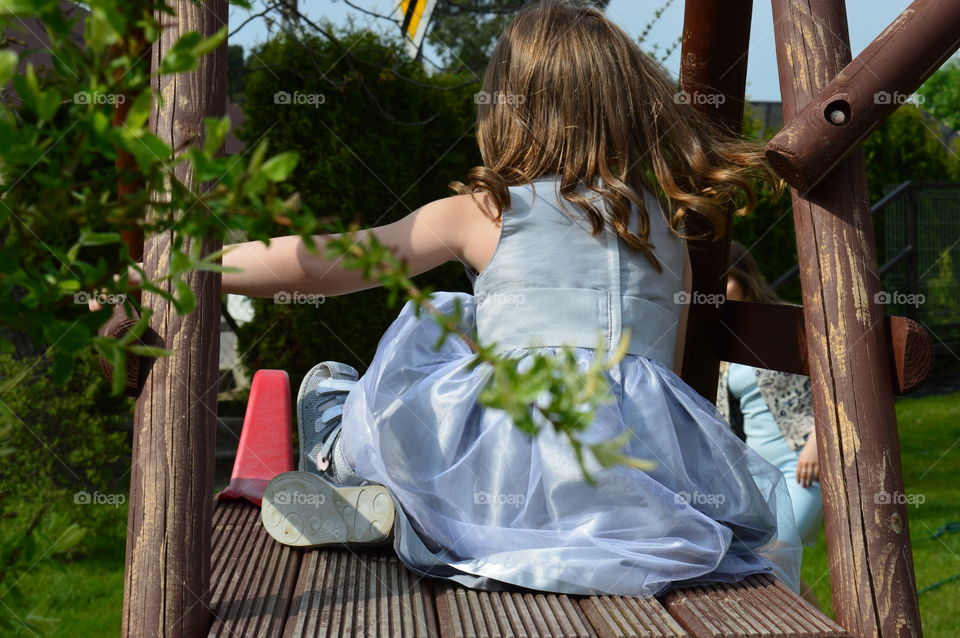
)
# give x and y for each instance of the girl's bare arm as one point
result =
(434, 234)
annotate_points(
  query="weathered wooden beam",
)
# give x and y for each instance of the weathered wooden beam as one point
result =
(773, 336)
(171, 485)
(716, 36)
(868, 539)
(865, 92)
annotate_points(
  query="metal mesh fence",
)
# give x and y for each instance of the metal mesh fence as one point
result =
(918, 236)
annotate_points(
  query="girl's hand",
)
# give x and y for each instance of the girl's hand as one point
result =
(132, 276)
(808, 465)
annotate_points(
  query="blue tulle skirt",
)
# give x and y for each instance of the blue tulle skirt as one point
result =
(484, 504)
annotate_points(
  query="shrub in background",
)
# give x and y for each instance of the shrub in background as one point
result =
(361, 160)
(68, 441)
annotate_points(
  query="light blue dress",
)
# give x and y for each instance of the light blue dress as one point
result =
(484, 504)
(764, 435)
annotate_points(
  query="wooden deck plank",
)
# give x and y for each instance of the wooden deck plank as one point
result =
(252, 576)
(467, 613)
(757, 607)
(228, 582)
(630, 617)
(341, 594)
(263, 588)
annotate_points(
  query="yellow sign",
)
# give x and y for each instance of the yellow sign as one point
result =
(415, 16)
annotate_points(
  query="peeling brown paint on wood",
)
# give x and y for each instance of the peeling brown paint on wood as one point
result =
(897, 62)
(168, 541)
(868, 547)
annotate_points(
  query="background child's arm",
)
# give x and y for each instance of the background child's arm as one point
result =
(684, 309)
(426, 238)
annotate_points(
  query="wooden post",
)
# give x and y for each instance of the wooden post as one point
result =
(868, 539)
(861, 96)
(716, 35)
(171, 488)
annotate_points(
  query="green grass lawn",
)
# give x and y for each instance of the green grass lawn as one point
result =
(87, 594)
(930, 449)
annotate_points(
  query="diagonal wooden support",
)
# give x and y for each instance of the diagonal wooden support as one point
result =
(868, 539)
(167, 573)
(716, 36)
(866, 92)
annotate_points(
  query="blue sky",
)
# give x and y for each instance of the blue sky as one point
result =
(867, 18)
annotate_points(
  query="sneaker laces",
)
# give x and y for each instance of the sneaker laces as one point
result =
(328, 425)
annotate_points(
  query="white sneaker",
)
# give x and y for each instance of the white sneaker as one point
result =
(319, 412)
(304, 509)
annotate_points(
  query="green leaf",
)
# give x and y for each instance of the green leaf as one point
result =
(180, 262)
(139, 112)
(209, 44)
(187, 41)
(101, 122)
(68, 539)
(47, 104)
(27, 87)
(610, 452)
(183, 55)
(68, 286)
(147, 148)
(185, 301)
(22, 8)
(178, 62)
(8, 65)
(214, 267)
(205, 169)
(217, 129)
(99, 32)
(62, 367)
(256, 158)
(149, 351)
(89, 238)
(279, 167)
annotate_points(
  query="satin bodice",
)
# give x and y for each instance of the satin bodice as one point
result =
(551, 282)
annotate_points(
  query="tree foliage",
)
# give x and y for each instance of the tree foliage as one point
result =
(907, 146)
(941, 93)
(61, 212)
(464, 31)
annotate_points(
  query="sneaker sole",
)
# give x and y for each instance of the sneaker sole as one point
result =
(302, 509)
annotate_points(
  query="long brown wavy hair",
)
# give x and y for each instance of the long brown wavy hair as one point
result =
(744, 269)
(568, 92)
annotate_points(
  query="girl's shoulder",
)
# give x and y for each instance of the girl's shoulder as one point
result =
(474, 219)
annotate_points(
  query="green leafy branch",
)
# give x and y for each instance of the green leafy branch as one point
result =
(80, 165)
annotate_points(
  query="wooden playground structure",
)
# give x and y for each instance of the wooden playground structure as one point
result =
(197, 566)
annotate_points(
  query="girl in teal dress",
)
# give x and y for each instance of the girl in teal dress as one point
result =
(773, 411)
